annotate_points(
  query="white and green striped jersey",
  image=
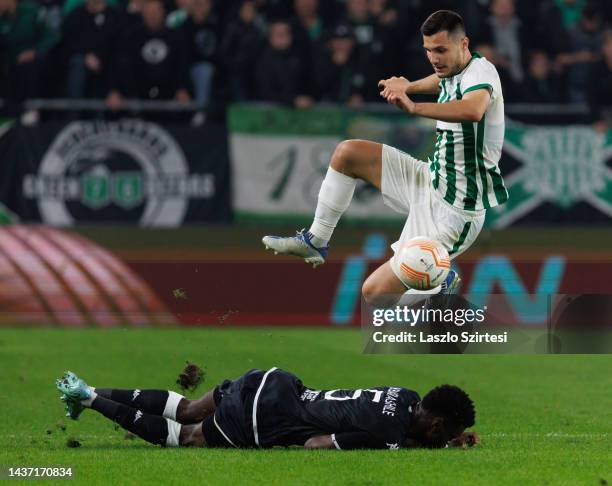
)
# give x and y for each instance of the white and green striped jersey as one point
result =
(465, 169)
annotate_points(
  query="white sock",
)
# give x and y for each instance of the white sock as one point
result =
(174, 432)
(89, 401)
(335, 197)
(172, 404)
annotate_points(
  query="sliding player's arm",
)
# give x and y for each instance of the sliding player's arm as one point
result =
(428, 85)
(343, 441)
(346, 441)
(469, 109)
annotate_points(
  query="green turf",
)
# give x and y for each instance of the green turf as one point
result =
(543, 419)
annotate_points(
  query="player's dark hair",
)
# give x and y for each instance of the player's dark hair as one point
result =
(443, 20)
(452, 403)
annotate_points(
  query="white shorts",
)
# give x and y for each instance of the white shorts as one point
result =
(406, 188)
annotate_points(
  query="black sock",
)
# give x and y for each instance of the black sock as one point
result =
(149, 401)
(152, 428)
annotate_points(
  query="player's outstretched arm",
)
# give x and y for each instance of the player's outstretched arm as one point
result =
(470, 109)
(428, 85)
(343, 441)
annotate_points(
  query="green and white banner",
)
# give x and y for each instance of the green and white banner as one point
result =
(558, 175)
(563, 167)
(280, 157)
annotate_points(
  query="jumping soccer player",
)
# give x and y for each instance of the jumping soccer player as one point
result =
(273, 408)
(445, 198)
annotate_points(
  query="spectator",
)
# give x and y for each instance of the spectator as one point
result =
(307, 26)
(599, 87)
(337, 75)
(280, 72)
(510, 89)
(177, 17)
(88, 35)
(505, 32)
(151, 62)
(26, 39)
(585, 43)
(275, 9)
(202, 34)
(542, 84)
(570, 11)
(241, 44)
(550, 36)
(306, 29)
(70, 5)
(133, 17)
(372, 41)
(383, 13)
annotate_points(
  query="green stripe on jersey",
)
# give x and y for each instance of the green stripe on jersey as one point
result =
(462, 237)
(480, 135)
(443, 93)
(501, 194)
(435, 163)
(451, 174)
(469, 156)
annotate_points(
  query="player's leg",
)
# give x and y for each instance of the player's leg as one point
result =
(351, 160)
(152, 428)
(382, 288)
(165, 403)
(194, 411)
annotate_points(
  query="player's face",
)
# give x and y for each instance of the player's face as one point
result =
(445, 52)
(430, 430)
(438, 435)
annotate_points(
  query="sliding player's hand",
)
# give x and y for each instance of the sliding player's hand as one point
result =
(467, 439)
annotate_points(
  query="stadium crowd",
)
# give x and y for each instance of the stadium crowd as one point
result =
(295, 52)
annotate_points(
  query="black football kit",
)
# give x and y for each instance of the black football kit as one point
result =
(273, 408)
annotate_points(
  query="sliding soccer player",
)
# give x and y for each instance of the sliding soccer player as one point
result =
(446, 198)
(273, 408)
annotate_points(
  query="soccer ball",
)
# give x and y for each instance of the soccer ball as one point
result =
(423, 263)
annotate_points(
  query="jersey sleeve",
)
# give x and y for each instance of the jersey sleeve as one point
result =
(478, 77)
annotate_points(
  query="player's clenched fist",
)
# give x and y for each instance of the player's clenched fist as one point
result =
(394, 91)
(396, 84)
(466, 439)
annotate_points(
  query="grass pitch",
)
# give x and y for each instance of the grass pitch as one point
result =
(542, 419)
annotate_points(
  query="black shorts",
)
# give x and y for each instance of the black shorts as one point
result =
(259, 409)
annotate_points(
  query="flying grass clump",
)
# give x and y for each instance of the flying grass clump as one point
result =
(191, 377)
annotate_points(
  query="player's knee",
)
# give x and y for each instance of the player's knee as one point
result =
(344, 156)
(376, 295)
(193, 411)
(184, 411)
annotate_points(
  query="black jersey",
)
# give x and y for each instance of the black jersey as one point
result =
(274, 408)
(383, 413)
